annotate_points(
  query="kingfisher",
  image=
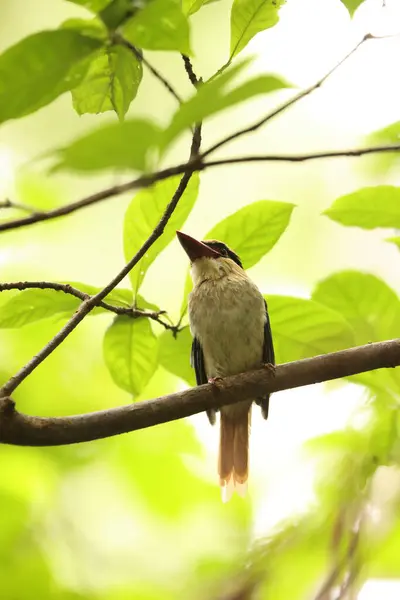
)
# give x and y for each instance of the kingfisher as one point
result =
(230, 326)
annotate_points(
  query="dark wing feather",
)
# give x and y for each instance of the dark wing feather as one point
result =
(268, 357)
(197, 361)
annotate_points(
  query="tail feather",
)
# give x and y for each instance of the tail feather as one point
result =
(233, 464)
(226, 445)
(241, 450)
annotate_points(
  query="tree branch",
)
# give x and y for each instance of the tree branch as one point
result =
(189, 70)
(66, 288)
(119, 39)
(277, 111)
(198, 163)
(195, 164)
(24, 430)
(89, 303)
(301, 157)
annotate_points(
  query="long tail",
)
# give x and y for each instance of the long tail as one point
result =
(233, 464)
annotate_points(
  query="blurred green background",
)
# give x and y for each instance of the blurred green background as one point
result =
(139, 516)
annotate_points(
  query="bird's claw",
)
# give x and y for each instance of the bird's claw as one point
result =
(269, 367)
(215, 381)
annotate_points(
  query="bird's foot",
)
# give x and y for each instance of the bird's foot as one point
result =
(269, 367)
(215, 381)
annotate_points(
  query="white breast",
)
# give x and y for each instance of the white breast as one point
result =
(227, 315)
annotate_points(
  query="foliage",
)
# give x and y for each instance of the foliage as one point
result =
(170, 32)
(142, 216)
(352, 5)
(249, 17)
(111, 82)
(368, 208)
(213, 97)
(40, 68)
(116, 146)
(139, 516)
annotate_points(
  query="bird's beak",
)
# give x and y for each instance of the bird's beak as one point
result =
(195, 249)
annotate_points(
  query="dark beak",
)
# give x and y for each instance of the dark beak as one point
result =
(195, 249)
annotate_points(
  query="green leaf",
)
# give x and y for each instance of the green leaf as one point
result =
(352, 5)
(368, 304)
(34, 305)
(115, 146)
(394, 240)
(212, 97)
(160, 25)
(372, 309)
(249, 17)
(368, 208)
(117, 12)
(143, 304)
(142, 216)
(89, 27)
(93, 5)
(251, 232)
(174, 355)
(111, 82)
(190, 7)
(118, 297)
(303, 328)
(130, 353)
(40, 68)
(388, 135)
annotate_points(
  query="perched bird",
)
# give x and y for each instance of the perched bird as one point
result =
(231, 332)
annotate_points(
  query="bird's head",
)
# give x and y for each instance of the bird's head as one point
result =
(210, 259)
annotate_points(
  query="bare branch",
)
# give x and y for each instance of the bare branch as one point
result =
(89, 303)
(23, 430)
(116, 190)
(277, 111)
(66, 288)
(139, 55)
(189, 70)
(195, 164)
(301, 157)
(198, 164)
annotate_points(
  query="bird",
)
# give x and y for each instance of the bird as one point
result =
(231, 330)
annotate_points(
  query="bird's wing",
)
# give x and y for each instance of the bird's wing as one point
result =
(197, 361)
(268, 357)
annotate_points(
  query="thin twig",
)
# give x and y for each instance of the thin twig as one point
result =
(196, 164)
(23, 430)
(116, 190)
(89, 304)
(300, 157)
(124, 42)
(7, 203)
(344, 565)
(66, 288)
(274, 113)
(189, 70)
